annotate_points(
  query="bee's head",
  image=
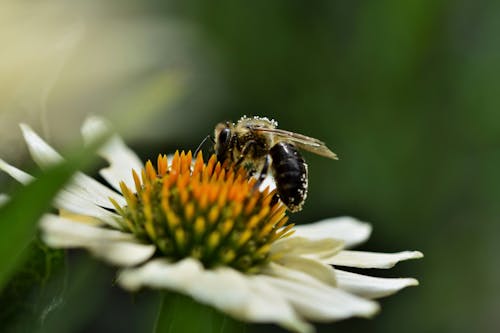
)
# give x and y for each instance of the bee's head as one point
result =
(223, 140)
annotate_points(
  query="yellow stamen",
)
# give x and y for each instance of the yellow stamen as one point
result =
(150, 171)
(162, 165)
(227, 226)
(189, 211)
(213, 214)
(213, 240)
(199, 226)
(172, 219)
(210, 211)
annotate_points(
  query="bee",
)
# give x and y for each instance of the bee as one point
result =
(257, 144)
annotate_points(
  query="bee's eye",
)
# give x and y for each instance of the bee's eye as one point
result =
(224, 136)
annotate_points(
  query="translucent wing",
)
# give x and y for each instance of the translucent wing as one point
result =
(302, 141)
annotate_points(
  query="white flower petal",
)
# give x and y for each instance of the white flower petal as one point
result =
(16, 173)
(3, 199)
(62, 232)
(66, 199)
(348, 229)
(85, 219)
(94, 127)
(123, 253)
(90, 189)
(75, 204)
(360, 259)
(82, 185)
(113, 246)
(244, 297)
(371, 287)
(121, 158)
(269, 306)
(43, 154)
(316, 300)
(322, 248)
(314, 268)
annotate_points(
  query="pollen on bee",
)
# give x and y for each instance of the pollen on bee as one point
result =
(210, 211)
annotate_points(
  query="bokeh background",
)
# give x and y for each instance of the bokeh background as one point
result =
(407, 93)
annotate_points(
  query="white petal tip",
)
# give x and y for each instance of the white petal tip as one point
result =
(41, 152)
(299, 326)
(412, 282)
(25, 127)
(15, 173)
(407, 255)
(372, 287)
(402, 256)
(94, 126)
(417, 255)
(362, 259)
(128, 281)
(373, 311)
(369, 310)
(398, 284)
(27, 131)
(3, 199)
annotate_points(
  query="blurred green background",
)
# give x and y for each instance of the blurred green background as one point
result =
(406, 93)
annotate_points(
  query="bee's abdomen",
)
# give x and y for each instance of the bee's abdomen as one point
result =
(290, 174)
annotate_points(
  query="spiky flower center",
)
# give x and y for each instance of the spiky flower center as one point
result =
(207, 211)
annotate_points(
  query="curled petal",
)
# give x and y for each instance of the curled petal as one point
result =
(360, 259)
(371, 287)
(121, 158)
(348, 229)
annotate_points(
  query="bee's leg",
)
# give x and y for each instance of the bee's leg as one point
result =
(208, 137)
(275, 199)
(263, 172)
(248, 145)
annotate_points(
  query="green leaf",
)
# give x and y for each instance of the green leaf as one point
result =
(178, 313)
(19, 215)
(86, 289)
(34, 291)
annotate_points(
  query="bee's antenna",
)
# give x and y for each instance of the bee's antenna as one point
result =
(208, 137)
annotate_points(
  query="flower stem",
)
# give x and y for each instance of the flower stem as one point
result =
(178, 313)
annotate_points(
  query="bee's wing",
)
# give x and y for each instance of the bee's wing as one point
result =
(302, 141)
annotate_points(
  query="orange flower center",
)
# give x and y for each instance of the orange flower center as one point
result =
(207, 211)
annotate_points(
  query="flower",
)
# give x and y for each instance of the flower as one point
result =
(204, 230)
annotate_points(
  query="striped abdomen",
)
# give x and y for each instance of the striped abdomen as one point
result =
(290, 173)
